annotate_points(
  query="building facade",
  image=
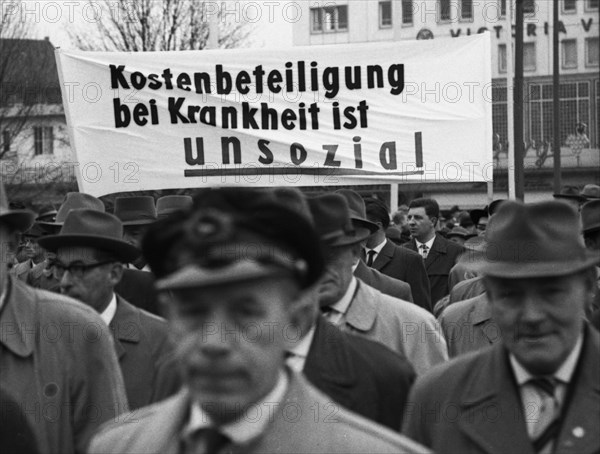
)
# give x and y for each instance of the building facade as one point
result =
(354, 21)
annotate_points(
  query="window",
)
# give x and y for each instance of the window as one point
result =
(444, 10)
(407, 12)
(528, 56)
(503, 8)
(574, 107)
(5, 141)
(529, 7)
(592, 51)
(569, 6)
(385, 14)
(43, 139)
(500, 115)
(502, 58)
(569, 53)
(329, 19)
(466, 9)
(591, 4)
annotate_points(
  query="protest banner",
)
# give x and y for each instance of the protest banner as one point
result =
(408, 111)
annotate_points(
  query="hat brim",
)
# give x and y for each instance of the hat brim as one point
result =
(139, 222)
(569, 196)
(364, 223)
(20, 220)
(120, 249)
(532, 269)
(347, 240)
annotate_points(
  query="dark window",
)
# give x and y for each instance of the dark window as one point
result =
(385, 13)
(407, 12)
(43, 140)
(529, 7)
(329, 19)
(466, 9)
(444, 8)
(569, 5)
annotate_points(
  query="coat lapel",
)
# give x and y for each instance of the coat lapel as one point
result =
(384, 256)
(328, 365)
(579, 431)
(125, 326)
(491, 414)
(362, 312)
(17, 318)
(438, 249)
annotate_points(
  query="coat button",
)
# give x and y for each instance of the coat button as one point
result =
(578, 432)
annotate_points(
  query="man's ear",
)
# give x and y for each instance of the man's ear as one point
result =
(303, 312)
(116, 273)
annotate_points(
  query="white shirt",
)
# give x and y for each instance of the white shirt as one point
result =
(428, 244)
(338, 310)
(109, 313)
(299, 352)
(377, 249)
(249, 425)
(529, 396)
(3, 294)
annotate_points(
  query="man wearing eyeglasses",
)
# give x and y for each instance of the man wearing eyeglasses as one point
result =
(90, 253)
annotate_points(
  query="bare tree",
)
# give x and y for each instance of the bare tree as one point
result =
(159, 25)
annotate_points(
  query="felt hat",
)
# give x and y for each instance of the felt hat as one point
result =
(74, 201)
(19, 220)
(533, 240)
(569, 192)
(590, 215)
(92, 228)
(358, 211)
(334, 226)
(168, 204)
(591, 191)
(136, 210)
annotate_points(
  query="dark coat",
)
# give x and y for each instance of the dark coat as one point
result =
(142, 344)
(359, 374)
(383, 283)
(440, 260)
(401, 263)
(58, 362)
(137, 287)
(472, 405)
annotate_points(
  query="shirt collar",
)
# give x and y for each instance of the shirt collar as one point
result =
(302, 347)
(564, 372)
(379, 247)
(109, 313)
(428, 243)
(342, 305)
(247, 427)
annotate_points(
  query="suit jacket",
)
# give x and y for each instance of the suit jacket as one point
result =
(383, 283)
(137, 287)
(467, 289)
(400, 263)
(468, 326)
(403, 327)
(142, 343)
(295, 427)
(441, 258)
(363, 376)
(472, 405)
(58, 362)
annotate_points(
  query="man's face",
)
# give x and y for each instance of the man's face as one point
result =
(133, 234)
(338, 274)
(419, 224)
(94, 286)
(540, 318)
(31, 249)
(482, 225)
(231, 341)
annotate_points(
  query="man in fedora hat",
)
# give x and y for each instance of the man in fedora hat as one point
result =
(361, 375)
(403, 327)
(392, 260)
(90, 253)
(57, 360)
(368, 275)
(570, 195)
(538, 390)
(169, 204)
(233, 269)
(590, 220)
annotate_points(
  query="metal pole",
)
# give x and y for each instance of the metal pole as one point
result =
(509, 103)
(556, 101)
(518, 114)
(393, 197)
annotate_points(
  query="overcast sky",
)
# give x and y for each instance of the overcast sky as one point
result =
(52, 17)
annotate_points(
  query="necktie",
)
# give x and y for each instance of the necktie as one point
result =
(424, 251)
(205, 441)
(544, 423)
(371, 257)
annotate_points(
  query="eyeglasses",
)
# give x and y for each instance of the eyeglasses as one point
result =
(76, 269)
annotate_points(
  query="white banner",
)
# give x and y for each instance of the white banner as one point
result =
(408, 111)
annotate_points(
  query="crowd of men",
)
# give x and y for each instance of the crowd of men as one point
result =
(262, 320)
